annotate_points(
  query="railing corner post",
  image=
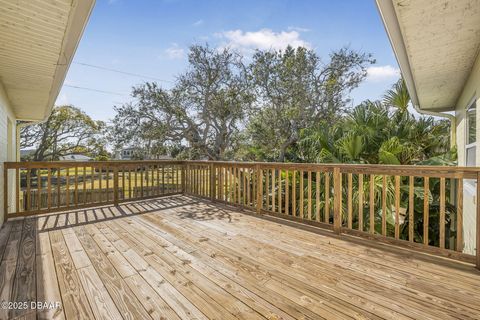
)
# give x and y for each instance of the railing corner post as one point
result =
(115, 185)
(337, 204)
(478, 223)
(5, 192)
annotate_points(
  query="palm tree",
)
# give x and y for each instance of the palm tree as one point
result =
(382, 132)
(397, 96)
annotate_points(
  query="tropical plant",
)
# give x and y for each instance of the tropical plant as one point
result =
(384, 132)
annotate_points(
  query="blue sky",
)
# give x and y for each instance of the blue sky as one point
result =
(151, 38)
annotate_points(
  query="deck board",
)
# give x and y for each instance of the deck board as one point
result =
(180, 257)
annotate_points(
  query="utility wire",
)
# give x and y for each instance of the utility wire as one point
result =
(96, 90)
(120, 71)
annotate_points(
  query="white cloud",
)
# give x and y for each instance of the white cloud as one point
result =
(265, 39)
(198, 23)
(382, 73)
(174, 52)
(299, 29)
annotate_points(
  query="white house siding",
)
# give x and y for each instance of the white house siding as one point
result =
(7, 144)
(471, 91)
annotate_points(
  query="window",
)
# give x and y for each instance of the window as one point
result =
(471, 136)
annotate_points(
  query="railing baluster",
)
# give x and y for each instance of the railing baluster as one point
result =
(100, 186)
(107, 181)
(372, 204)
(76, 186)
(142, 169)
(29, 200)
(273, 190)
(49, 189)
(442, 213)
(67, 187)
(279, 191)
(39, 189)
(84, 185)
(384, 205)
(327, 197)
(287, 192)
(123, 182)
(163, 180)
(267, 188)
(337, 200)
(459, 246)
(253, 177)
(259, 188)
(92, 186)
(426, 210)
(360, 202)
(350, 201)
(115, 185)
(294, 193)
(302, 194)
(17, 191)
(397, 207)
(317, 196)
(309, 195)
(411, 208)
(249, 181)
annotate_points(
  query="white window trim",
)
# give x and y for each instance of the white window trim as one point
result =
(467, 133)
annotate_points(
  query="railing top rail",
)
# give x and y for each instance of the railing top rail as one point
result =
(63, 164)
(400, 170)
(379, 169)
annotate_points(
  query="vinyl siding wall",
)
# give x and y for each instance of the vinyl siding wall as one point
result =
(8, 150)
(470, 93)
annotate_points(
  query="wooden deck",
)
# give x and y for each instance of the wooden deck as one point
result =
(183, 258)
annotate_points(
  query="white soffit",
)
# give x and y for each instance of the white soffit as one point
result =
(38, 39)
(436, 44)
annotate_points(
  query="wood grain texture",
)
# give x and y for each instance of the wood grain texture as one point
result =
(180, 257)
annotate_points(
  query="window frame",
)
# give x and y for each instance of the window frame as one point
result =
(471, 106)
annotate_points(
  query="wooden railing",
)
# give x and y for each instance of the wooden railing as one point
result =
(41, 187)
(420, 207)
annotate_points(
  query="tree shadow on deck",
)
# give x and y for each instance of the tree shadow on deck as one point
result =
(187, 207)
(74, 218)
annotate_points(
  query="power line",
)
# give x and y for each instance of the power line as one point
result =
(95, 90)
(122, 72)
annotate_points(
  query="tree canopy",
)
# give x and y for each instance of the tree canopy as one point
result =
(67, 131)
(204, 109)
(280, 105)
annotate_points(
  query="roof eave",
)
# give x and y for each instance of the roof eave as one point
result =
(77, 22)
(392, 27)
